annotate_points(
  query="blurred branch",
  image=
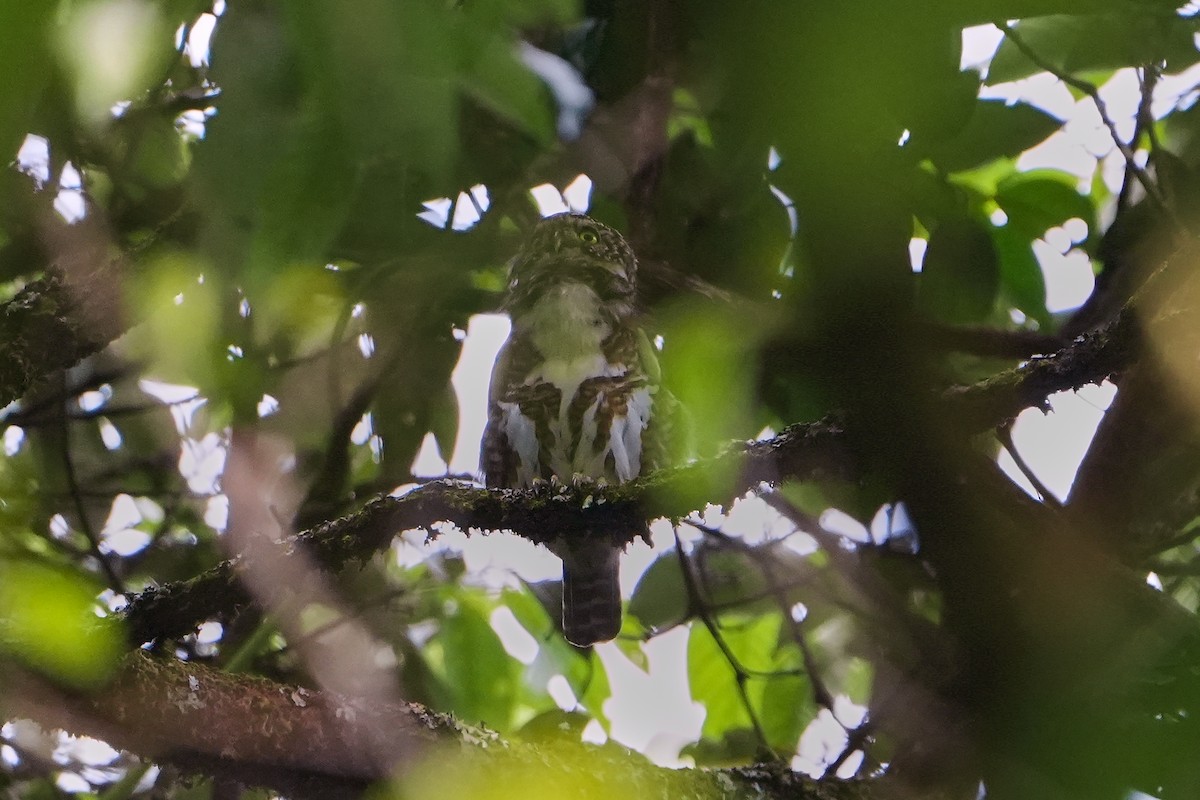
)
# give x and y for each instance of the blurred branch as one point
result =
(75, 490)
(303, 742)
(53, 324)
(991, 342)
(307, 743)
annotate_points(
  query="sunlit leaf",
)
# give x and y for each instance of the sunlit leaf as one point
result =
(712, 679)
(529, 612)
(597, 692)
(480, 674)
(787, 706)
(48, 620)
(114, 50)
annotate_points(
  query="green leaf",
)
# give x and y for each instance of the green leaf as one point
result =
(1078, 43)
(160, 157)
(479, 672)
(25, 65)
(1022, 281)
(48, 620)
(502, 83)
(597, 692)
(388, 74)
(528, 611)
(443, 421)
(1040, 200)
(857, 678)
(660, 599)
(713, 684)
(712, 679)
(787, 706)
(305, 201)
(961, 275)
(995, 130)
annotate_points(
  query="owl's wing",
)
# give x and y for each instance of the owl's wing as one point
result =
(669, 438)
(499, 460)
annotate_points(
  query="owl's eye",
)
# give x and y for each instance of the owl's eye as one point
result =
(589, 235)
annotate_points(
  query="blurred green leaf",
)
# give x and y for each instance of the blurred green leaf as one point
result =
(505, 85)
(660, 600)
(160, 155)
(529, 612)
(385, 73)
(48, 620)
(709, 361)
(995, 130)
(305, 201)
(180, 311)
(479, 673)
(443, 421)
(114, 50)
(1022, 281)
(961, 274)
(857, 679)
(1073, 43)
(1040, 200)
(25, 65)
(597, 692)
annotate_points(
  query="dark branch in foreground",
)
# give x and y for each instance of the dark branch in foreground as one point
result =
(311, 744)
(810, 451)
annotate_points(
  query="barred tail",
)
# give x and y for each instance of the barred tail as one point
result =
(591, 594)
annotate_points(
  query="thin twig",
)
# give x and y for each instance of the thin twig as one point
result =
(1153, 191)
(1004, 432)
(85, 524)
(777, 591)
(739, 672)
(856, 740)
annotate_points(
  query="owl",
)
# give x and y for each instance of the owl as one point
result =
(575, 393)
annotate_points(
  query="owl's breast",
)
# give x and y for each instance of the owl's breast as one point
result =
(566, 323)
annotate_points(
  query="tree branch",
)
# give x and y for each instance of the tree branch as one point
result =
(810, 451)
(310, 744)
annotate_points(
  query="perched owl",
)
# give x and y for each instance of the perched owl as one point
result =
(575, 393)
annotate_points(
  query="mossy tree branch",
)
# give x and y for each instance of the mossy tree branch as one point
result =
(810, 451)
(312, 744)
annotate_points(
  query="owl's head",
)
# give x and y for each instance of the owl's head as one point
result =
(573, 247)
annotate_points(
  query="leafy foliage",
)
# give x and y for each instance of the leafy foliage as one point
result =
(299, 225)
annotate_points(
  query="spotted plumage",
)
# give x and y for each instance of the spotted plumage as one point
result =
(574, 394)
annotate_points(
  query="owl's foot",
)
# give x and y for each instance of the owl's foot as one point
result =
(581, 481)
